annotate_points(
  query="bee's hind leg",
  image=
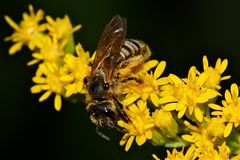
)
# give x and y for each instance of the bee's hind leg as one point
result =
(140, 81)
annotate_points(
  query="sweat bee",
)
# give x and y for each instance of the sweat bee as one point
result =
(115, 62)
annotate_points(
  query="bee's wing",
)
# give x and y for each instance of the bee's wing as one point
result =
(109, 46)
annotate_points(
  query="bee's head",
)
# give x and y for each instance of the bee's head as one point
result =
(102, 114)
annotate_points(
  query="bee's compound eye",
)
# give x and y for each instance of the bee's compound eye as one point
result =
(106, 86)
(86, 80)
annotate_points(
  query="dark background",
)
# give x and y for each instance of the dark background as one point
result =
(179, 32)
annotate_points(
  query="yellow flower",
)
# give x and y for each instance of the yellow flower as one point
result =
(214, 74)
(187, 96)
(61, 28)
(204, 136)
(210, 153)
(28, 32)
(139, 127)
(76, 69)
(165, 122)
(49, 51)
(179, 155)
(149, 86)
(230, 111)
(48, 79)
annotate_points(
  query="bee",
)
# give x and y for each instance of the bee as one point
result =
(115, 62)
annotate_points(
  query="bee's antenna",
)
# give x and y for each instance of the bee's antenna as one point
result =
(102, 135)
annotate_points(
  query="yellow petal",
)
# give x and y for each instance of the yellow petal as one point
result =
(188, 138)
(45, 96)
(162, 81)
(14, 48)
(124, 139)
(39, 80)
(198, 114)
(234, 90)
(228, 129)
(180, 106)
(76, 28)
(140, 140)
(79, 49)
(69, 90)
(159, 70)
(228, 96)
(66, 78)
(12, 23)
(215, 106)
(80, 86)
(218, 63)
(149, 65)
(209, 94)
(130, 99)
(167, 99)
(57, 102)
(32, 62)
(225, 78)
(175, 79)
(216, 113)
(201, 79)
(170, 106)
(36, 89)
(223, 66)
(154, 98)
(37, 56)
(182, 112)
(190, 109)
(148, 134)
(155, 157)
(129, 143)
(205, 62)
(49, 19)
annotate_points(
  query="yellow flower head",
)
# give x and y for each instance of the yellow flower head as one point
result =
(230, 110)
(210, 153)
(139, 127)
(49, 51)
(214, 74)
(204, 135)
(28, 32)
(149, 86)
(48, 79)
(179, 155)
(61, 28)
(76, 69)
(187, 95)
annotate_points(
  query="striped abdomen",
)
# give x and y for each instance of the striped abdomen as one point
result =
(132, 47)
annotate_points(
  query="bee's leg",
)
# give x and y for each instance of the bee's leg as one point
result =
(102, 135)
(119, 129)
(129, 66)
(120, 110)
(140, 81)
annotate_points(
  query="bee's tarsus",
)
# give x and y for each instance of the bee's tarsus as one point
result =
(86, 80)
(90, 64)
(101, 134)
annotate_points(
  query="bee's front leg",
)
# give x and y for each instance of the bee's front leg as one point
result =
(120, 110)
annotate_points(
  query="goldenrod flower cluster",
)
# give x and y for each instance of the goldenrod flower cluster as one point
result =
(61, 66)
(179, 113)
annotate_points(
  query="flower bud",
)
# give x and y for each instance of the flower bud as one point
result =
(166, 123)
